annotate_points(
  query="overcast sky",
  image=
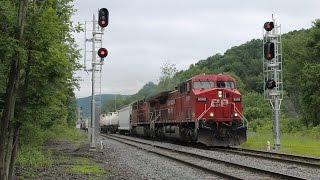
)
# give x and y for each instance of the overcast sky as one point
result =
(143, 34)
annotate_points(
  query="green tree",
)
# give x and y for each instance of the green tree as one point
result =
(166, 82)
(307, 78)
(295, 55)
(310, 94)
(314, 41)
(7, 130)
(255, 107)
(147, 90)
(41, 62)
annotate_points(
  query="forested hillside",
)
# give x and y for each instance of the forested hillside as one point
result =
(301, 58)
(38, 57)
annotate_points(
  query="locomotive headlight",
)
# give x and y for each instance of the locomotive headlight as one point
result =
(211, 114)
(219, 94)
(236, 114)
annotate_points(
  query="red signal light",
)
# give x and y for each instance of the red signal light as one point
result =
(102, 52)
(270, 84)
(268, 26)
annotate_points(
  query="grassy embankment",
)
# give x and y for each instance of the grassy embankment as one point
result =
(60, 152)
(295, 138)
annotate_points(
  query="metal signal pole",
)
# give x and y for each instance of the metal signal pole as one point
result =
(96, 62)
(272, 71)
(93, 102)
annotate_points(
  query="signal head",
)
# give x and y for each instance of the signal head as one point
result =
(270, 84)
(102, 52)
(268, 26)
(103, 18)
(269, 50)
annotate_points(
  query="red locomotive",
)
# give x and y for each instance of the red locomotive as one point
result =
(205, 109)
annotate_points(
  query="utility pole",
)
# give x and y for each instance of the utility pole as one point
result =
(115, 103)
(272, 72)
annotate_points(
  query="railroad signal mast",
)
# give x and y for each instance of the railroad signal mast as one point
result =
(272, 72)
(95, 33)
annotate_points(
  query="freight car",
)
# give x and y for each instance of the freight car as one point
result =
(124, 119)
(205, 109)
(109, 122)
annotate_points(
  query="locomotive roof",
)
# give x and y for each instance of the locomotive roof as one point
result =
(214, 77)
(159, 96)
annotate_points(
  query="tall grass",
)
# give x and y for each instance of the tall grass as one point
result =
(294, 137)
(32, 154)
(300, 143)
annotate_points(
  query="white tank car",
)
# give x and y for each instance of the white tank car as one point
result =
(104, 119)
(114, 119)
(124, 119)
(109, 122)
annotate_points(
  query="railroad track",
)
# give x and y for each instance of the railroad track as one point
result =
(280, 157)
(218, 167)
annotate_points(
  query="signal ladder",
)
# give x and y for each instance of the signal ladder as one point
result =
(91, 47)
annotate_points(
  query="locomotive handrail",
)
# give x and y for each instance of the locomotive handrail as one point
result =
(158, 115)
(203, 113)
(241, 115)
(151, 116)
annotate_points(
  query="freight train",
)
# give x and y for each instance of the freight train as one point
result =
(205, 109)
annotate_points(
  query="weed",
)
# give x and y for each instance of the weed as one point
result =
(92, 169)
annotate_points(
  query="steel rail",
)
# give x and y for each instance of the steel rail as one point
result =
(280, 157)
(224, 175)
(235, 165)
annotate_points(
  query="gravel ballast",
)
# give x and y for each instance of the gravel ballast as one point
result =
(291, 169)
(127, 162)
(116, 161)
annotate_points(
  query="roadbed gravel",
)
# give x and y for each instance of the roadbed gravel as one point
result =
(114, 161)
(133, 163)
(274, 166)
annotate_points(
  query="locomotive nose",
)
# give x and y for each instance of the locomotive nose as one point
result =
(217, 105)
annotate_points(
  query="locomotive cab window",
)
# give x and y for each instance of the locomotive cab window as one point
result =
(188, 86)
(185, 87)
(225, 84)
(181, 88)
(203, 84)
(134, 106)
